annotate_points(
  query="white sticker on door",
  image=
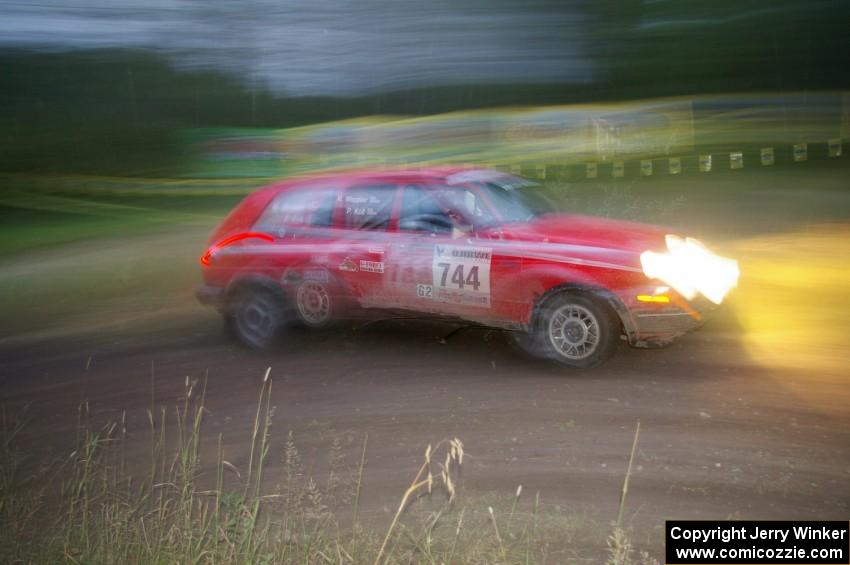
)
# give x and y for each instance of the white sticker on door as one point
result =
(424, 291)
(372, 266)
(462, 275)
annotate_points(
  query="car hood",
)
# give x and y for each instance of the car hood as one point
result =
(626, 240)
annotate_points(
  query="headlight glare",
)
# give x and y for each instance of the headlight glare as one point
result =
(690, 268)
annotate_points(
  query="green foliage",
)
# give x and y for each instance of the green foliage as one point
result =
(111, 111)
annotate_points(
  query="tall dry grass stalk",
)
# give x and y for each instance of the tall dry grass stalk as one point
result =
(180, 510)
(424, 481)
(619, 542)
(625, 490)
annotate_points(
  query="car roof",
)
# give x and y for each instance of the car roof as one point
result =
(438, 173)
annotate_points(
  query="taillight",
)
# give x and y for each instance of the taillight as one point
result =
(205, 258)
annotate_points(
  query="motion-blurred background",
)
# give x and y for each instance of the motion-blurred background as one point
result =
(186, 87)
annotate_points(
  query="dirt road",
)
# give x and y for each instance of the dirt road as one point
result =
(721, 436)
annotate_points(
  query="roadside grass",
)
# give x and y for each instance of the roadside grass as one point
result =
(31, 221)
(76, 259)
(90, 507)
(719, 205)
(113, 279)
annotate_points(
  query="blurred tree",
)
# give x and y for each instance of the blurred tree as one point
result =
(670, 48)
(115, 110)
(111, 110)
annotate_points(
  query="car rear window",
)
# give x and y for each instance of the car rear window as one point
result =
(306, 207)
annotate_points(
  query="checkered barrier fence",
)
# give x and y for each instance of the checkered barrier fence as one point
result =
(708, 162)
(700, 163)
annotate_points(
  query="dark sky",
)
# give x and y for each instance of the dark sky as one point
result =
(327, 46)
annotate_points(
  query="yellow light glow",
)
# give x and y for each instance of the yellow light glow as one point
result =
(649, 298)
(792, 305)
(690, 268)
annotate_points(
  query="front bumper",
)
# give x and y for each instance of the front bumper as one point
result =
(657, 328)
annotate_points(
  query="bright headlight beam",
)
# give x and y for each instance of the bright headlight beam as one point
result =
(691, 269)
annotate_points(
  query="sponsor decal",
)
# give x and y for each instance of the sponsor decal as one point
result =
(372, 266)
(424, 291)
(461, 275)
(348, 265)
(376, 250)
(319, 259)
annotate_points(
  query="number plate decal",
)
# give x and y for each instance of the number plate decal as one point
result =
(424, 291)
(461, 275)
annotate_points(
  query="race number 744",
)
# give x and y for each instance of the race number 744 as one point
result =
(460, 277)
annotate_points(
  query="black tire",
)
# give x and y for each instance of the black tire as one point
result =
(255, 316)
(574, 330)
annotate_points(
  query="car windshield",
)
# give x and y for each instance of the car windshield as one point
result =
(516, 204)
(512, 199)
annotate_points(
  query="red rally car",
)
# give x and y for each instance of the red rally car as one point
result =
(477, 245)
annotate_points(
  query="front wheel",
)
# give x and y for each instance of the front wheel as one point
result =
(255, 317)
(575, 331)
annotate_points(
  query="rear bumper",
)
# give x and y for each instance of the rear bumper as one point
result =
(209, 295)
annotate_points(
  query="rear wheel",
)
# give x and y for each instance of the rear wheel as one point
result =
(574, 330)
(313, 303)
(255, 316)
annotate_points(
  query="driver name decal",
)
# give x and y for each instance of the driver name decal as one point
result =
(461, 275)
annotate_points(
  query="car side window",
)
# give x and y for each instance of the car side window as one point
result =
(421, 212)
(463, 201)
(368, 207)
(311, 207)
